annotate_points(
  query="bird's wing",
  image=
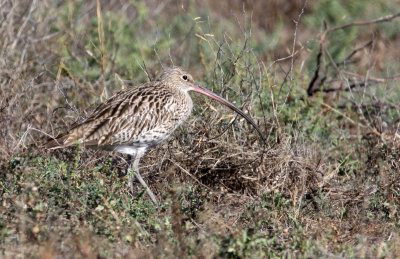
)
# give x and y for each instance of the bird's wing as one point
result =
(132, 114)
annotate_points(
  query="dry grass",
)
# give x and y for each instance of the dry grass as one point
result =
(325, 185)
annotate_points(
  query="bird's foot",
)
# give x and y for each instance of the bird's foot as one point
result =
(139, 177)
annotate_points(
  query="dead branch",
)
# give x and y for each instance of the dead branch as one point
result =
(317, 82)
(387, 18)
(311, 90)
(369, 43)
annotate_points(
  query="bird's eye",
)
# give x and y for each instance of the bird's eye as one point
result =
(185, 77)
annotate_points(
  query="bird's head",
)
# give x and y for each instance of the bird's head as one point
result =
(177, 77)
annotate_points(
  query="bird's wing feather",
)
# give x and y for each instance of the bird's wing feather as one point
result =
(125, 116)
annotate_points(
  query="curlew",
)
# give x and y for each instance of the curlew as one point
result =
(138, 118)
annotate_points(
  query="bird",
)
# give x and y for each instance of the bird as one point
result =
(138, 118)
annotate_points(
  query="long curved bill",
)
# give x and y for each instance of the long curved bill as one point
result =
(219, 99)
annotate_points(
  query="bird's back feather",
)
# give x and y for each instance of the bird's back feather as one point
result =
(141, 115)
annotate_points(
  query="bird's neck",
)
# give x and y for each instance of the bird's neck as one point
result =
(183, 100)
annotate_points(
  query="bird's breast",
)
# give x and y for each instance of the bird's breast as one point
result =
(184, 107)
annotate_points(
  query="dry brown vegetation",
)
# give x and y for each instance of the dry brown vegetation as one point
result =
(325, 185)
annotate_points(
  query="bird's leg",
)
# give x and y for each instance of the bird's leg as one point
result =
(135, 166)
(129, 173)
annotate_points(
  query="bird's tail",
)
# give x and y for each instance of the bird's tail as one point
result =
(57, 142)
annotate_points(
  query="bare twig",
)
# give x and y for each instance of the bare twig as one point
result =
(296, 22)
(374, 79)
(100, 31)
(369, 43)
(386, 18)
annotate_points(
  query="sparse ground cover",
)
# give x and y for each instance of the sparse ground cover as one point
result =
(327, 183)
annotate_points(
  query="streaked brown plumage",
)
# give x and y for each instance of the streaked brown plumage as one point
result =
(138, 118)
